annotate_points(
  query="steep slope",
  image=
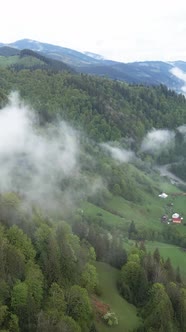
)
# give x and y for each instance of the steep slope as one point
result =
(107, 200)
(8, 51)
(126, 312)
(20, 59)
(147, 72)
(69, 56)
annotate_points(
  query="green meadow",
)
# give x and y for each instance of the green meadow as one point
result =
(118, 211)
(125, 312)
(176, 254)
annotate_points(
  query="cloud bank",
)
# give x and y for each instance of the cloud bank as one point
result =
(181, 75)
(121, 155)
(182, 130)
(35, 162)
(157, 140)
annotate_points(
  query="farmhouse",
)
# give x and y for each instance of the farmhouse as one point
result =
(176, 218)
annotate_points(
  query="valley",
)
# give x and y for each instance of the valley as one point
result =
(80, 200)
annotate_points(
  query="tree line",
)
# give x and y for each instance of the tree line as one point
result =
(105, 109)
(151, 283)
(46, 273)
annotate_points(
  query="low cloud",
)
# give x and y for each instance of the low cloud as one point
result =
(35, 162)
(181, 75)
(121, 155)
(157, 140)
(182, 130)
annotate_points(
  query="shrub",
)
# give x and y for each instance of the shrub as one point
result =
(110, 318)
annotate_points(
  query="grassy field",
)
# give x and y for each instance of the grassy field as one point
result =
(109, 219)
(26, 61)
(177, 255)
(125, 312)
(147, 213)
(118, 212)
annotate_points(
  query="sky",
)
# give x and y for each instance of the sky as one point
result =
(122, 30)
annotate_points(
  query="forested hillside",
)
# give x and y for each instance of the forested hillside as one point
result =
(46, 274)
(140, 72)
(107, 110)
(28, 59)
(78, 185)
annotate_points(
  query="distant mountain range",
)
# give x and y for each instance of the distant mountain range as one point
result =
(170, 74)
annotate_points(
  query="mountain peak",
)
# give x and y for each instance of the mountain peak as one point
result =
(146, 72)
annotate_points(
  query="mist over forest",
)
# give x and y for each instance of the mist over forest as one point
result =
(45, 164)
(81, 162)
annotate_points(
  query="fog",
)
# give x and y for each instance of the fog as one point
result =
(157, 140)
(119, 154)
(182, 130)
(35, 162)
(181, 75)
(164, 171)
(43, 165)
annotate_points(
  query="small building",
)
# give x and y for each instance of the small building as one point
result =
(176, 218)
(163, 195)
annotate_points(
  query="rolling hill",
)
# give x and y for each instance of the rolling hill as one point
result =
(26, 58)
(70, 196)
(147, 72)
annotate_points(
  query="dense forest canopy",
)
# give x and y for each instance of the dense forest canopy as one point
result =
(106, 109)
(88, 142)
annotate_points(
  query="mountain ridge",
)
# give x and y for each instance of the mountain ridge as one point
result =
(139, 72)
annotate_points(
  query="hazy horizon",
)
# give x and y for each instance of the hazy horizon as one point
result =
(122, 31)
